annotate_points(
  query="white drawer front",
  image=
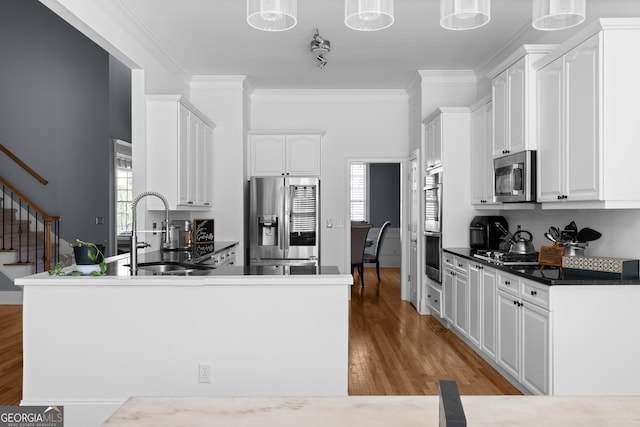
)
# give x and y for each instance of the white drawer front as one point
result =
(461, 266)
(509, 283)
(535, 293)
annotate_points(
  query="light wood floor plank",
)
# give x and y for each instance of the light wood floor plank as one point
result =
(393, 350)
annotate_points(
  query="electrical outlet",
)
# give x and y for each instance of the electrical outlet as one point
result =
(204, 373)
(329, 223)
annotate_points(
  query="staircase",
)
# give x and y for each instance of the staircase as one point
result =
(23, 243)
(29, 238)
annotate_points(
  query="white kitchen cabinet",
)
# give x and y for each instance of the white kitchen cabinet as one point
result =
(513, 93)
(482, 187)
(274, 154)
(179, 153)
(434, 298)
(587, 143)
(488, 313)
(448, 294)
(455, 288)
(523, 334)
(433, 143)
(482, 308)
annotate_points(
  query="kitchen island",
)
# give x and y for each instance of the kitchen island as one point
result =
(92, 342)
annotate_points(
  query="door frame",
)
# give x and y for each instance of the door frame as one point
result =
(404, 232)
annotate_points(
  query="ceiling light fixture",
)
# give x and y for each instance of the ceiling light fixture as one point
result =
(272, 15)
(368, 15)
(320, 47)
(464, 14)
(552, 15)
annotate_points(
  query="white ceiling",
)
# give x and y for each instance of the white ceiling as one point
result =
(212, 37)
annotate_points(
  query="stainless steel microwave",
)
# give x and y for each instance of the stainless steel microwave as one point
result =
(515, 177)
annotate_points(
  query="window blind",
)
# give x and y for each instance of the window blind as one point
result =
(358, 178)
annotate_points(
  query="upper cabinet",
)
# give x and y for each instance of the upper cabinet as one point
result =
(482, 187)
(433, 143)
(587, 137)
(513, 93)
(179, 153)
(294, 154)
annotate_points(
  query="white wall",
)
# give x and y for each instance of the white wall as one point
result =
(222, 100)
(368, 125)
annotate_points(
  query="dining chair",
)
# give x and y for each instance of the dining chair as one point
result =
(371, 258)
(359, 231)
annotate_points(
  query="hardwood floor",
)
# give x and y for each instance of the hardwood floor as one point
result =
(10, 354)
(392, 349)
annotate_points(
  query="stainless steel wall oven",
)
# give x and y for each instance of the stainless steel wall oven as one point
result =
(433, 224)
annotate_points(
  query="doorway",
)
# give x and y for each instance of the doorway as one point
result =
(376, 194)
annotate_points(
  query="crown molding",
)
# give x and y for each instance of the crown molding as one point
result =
(322, 96)
(229, 82)
(444, 78)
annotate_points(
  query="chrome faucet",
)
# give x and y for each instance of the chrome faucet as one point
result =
(133, 264)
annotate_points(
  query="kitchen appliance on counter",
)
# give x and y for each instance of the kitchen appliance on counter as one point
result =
(515, 177)
(507, 258)
(284, 217)
(432, 224)
(181, 236)
(486, 232)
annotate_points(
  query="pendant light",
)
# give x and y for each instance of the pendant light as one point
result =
(464, 14)
(272, 15)
(551, 15)
(368, 15)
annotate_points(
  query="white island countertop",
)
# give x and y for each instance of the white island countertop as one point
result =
(374, 411)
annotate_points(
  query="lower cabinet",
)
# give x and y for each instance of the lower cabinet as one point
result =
(523, 336)
(455, 287)
(434, 299)
(503, 317)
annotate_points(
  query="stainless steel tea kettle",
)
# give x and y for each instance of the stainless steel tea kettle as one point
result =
(521, 244)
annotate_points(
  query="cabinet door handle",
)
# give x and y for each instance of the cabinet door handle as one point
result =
(506, 282)
(534, 293)
(435, 300)
(515, 302)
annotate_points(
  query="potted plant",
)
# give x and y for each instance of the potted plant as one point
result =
(89, 258)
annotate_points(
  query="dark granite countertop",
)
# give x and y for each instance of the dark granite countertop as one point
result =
(551, 276)
(199, 256)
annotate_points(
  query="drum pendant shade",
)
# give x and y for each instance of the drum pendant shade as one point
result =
(464, 14)
(368, 15)
(272, 15)
(552, 15)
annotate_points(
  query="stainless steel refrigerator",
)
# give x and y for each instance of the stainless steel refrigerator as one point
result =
(284, 216)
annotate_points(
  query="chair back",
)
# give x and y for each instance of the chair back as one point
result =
(381, 234)
(359, 233)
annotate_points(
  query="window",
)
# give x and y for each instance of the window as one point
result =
(124, 194)
(358, 179)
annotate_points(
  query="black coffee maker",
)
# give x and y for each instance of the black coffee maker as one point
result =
(485, 232)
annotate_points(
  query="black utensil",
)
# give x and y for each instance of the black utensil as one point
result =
(587, 235)
(571, 229)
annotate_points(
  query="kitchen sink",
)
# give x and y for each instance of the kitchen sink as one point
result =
(174, 268)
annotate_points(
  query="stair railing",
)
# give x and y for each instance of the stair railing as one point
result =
(17, 203)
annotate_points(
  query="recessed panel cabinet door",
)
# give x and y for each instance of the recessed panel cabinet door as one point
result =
(448, 288)
(184, 128)
(550, 154)
(475, 301)
(535, 348)
(517, 129)
(462, 303)
(303, 155)
(267, 155)
(500, 114)
(583, 163)
(508, 334)
(488, 295)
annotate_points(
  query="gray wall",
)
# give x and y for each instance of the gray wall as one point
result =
(62, 99)
(384, 194)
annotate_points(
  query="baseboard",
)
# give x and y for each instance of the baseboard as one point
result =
(80, 413)
(11, 298)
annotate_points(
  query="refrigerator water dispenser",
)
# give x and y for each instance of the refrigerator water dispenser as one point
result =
(268, 230)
